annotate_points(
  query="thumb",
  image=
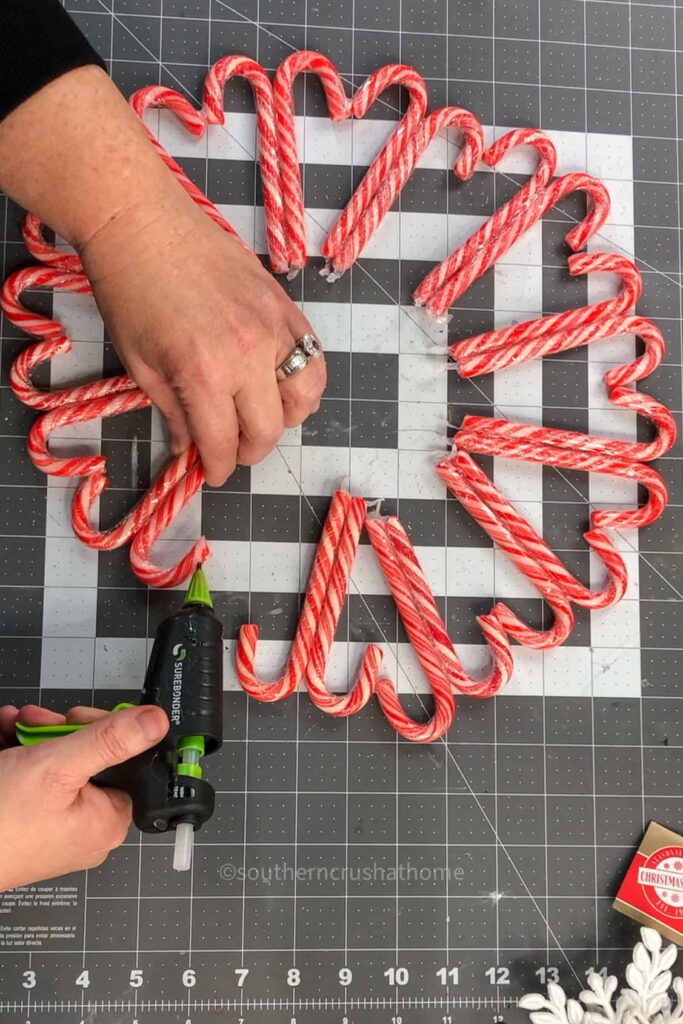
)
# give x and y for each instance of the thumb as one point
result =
(106, 742)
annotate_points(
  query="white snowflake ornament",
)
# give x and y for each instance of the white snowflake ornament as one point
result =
(646, 1000)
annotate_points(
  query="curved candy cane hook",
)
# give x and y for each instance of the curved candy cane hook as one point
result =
(194, 122)
(398, 175)
(598, 210)
(492, 437)
(481, 250)
(524, 535)
(396, 152)
(339, 108)
(425, 628)
(520, 343)
(317, 595)
(214, 110)
(462, 479)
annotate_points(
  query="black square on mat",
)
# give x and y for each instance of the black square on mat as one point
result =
(20, 657)
(517, 19)
(608, 67)
(609, 112)
(607, 26)
(226, 516)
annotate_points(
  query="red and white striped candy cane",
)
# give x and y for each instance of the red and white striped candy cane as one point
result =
(421, 641)
(522, 342)
(477, 248)
(167, 510)
(81, 404)
(533, 545)
(91, 487)
(456, 676)
(439, 302)
(460, 476)
(33, 234)
(214, 111)
(398, 175)
(330, 612)
(290, 174)
(495, 440)
(396, 152)
(194, 122)
(316, 595)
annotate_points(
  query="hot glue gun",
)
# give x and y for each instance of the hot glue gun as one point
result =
(185, 678)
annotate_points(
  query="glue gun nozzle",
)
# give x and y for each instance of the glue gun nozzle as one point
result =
(198, 591)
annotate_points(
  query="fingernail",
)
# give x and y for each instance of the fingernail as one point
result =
(152, 723)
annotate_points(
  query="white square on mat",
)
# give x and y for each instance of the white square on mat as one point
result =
(418, 477)
(374, 472)
(67, 663)
(422, 379)
(618, 626)
(518, 288)
(69, 612)
(275, 567)
(69, 563)
(374, 327)
(120, 662)
(80, 317)
(280, 471)
(567, 672)
(616, 672)
(469, 572)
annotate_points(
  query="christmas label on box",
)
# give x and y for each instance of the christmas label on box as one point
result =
(652, 890)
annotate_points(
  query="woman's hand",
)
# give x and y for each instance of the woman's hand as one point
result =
(52, 819)
(197, 321)
(201, 327)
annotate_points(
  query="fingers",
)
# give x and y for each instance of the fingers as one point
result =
(111, 739)
(168, 404)
(84, 715)
(215, 430)
(301, 393)
(31, 714)
(261, 417)
(8, 720)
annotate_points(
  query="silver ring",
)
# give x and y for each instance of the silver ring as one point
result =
(307, 347)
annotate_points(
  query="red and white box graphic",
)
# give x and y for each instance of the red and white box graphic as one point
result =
(652, 890)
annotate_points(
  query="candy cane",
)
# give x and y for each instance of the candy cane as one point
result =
(521, 342)
(319, 582)
(527, 541)
(476, 250)
(439, 302)
(194, 122)
(384, 197)
(397, 155)
(339, 108)
(214, 111)
(83, 403)
(464, 479)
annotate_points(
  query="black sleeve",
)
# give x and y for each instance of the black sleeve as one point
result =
(38, 42)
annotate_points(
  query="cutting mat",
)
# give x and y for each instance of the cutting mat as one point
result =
(347, 875)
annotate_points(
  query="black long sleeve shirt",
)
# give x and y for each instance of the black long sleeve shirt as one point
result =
(38, 43)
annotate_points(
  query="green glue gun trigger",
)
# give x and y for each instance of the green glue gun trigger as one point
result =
(185, 678)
